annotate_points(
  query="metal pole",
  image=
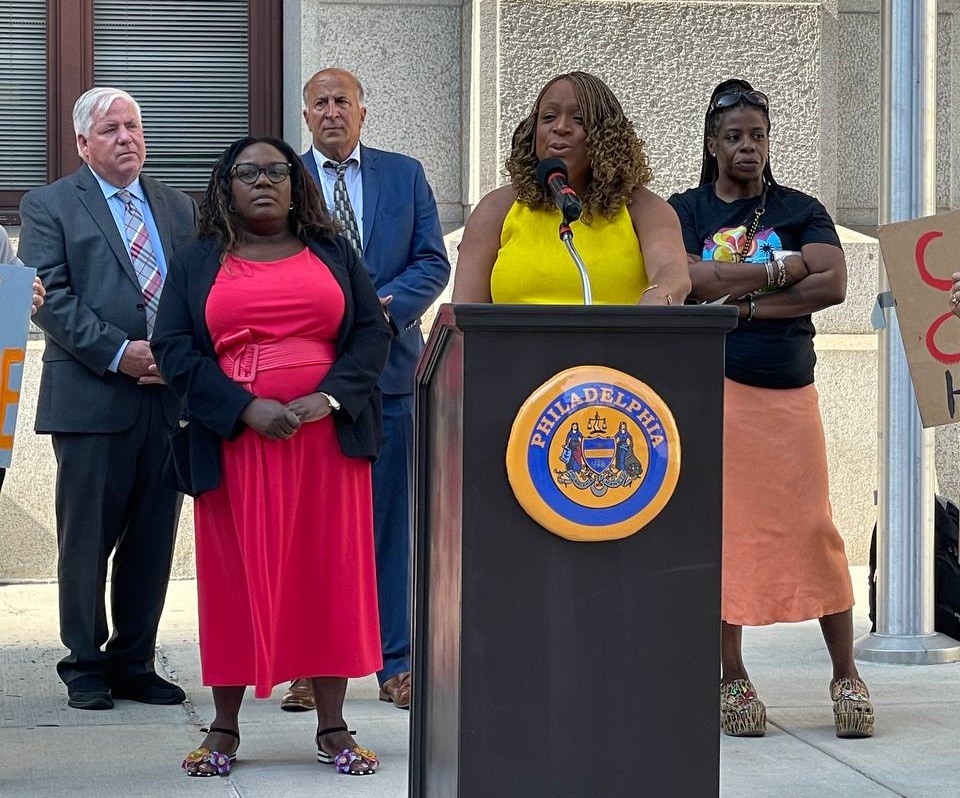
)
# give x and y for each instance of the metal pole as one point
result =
(905, 601)
(566, 235)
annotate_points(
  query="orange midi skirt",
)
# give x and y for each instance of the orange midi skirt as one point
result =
(783, 559)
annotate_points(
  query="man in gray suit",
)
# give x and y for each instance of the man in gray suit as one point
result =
(101, 239)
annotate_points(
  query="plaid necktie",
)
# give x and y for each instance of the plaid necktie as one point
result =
(142, 257)
(342, 209)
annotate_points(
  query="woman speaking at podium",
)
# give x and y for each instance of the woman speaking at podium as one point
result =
(628, 237)
(775, 253)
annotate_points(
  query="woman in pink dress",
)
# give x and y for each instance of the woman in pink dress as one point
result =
(271, 332)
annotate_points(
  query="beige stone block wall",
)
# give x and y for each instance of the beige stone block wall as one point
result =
(863, 269)
(847, 384)
(408, 57)
(28, 538)
(448, 80)
(858, 112)
(28, 530)
(662, 59)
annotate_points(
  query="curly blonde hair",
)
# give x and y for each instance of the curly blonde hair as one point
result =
(618, 163)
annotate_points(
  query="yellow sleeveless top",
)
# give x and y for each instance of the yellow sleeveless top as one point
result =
(533, 265)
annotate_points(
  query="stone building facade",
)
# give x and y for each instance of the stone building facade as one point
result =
(447, 80)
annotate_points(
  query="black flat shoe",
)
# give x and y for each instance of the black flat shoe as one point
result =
(148, 688)
(89, 692)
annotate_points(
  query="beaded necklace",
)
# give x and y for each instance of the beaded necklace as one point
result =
(752, 225)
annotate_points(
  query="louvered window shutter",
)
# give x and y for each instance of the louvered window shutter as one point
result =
(186, 65)
(23, 94)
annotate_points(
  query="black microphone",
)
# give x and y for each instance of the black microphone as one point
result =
(552, 174)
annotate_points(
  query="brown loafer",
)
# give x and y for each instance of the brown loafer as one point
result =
(299, 698)
(396, 690)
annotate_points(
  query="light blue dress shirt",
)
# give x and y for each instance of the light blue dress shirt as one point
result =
(115, 204)
(328, 178)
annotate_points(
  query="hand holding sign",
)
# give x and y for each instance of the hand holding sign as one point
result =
(955, 294)
(39, 293)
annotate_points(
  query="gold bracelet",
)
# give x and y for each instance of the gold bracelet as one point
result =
(668, 297)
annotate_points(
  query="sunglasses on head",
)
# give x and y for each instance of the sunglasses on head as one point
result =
(731, 97)
(249, 172)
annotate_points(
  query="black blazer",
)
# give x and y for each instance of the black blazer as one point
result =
(185, 355)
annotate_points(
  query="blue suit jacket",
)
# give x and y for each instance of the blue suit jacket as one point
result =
(403, 251)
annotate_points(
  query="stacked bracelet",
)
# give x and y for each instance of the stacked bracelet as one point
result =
(751, 307)
(781, 272)
(769, 267)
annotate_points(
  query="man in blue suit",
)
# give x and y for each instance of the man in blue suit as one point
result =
(386, 207)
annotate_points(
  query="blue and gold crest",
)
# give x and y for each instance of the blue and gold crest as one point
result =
(594, 454)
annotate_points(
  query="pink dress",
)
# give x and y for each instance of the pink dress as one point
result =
(285, 557)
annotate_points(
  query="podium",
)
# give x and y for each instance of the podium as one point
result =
(545, 667)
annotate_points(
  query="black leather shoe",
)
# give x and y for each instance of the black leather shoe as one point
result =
(147, 688)
(89, 692)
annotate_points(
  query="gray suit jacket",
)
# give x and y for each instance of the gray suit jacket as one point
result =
(93, 301)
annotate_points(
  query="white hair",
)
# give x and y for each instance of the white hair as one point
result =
(94, 102)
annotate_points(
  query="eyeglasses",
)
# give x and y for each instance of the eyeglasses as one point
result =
(249, 173)
(732, 97)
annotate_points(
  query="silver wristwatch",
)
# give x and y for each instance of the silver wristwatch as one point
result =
(334, 404)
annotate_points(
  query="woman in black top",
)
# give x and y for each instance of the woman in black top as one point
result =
(774, 253)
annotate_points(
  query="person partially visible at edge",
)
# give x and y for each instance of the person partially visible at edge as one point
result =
(7, 256)
(386, 208)
(272, 333)
(628, 237)
(955, 294)
(774, 252)
(101, 239)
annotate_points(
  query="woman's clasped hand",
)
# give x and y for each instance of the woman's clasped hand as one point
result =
(273, 419)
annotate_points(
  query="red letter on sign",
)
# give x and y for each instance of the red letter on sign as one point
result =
(921, 253)
(943, 357)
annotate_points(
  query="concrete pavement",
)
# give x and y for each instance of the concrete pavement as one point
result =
(49, 750)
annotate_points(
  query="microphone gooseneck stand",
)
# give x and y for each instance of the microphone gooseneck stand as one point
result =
(566, 236)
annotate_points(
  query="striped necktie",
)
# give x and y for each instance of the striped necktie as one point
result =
(342, 209)
(142, 257)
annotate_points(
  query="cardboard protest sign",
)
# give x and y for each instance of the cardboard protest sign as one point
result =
(919, 256)
(16, 297)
